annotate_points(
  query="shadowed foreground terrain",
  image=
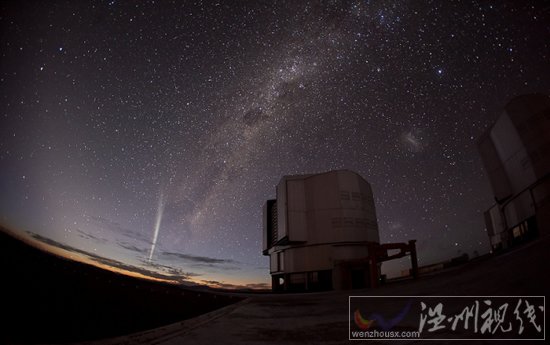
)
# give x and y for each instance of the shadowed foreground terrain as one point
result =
(322, 318)
(48, 299)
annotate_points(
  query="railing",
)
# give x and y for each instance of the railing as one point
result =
(528, 189)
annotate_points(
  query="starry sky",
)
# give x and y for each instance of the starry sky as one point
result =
(125, 119)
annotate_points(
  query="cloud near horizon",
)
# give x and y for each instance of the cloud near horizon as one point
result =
(223, 285)
(131, 247)
(170, 273)
(201, 261)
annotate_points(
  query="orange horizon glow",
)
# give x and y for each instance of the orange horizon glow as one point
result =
(82, 258)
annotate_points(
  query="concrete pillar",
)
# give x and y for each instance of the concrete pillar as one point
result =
(414, 259)
(373, 271)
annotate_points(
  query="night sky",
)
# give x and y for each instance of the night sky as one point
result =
(120, 118)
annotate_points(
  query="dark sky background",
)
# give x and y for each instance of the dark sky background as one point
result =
(116, 116)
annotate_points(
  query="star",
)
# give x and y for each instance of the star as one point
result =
(207, 106)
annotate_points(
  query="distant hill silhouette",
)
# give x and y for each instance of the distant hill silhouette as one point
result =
(49, 299)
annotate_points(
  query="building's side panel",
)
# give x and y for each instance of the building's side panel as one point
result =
(349, 252)
(513, 154)
(306, 259)
(494, 168)
(352, 225)
(323, 205)
(541, 197)
(282, 210)
(493, 221)
(323, 225)
(322, 191)
(296, 206)
(356, 220)
(266, 216)
(349, 190)
(534, 132)
(531, 116)
(489, 223)
(276, 262)
(269, 236)
(519, 209)
(369, 209)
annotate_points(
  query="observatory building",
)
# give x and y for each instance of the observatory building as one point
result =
(516, 155)
(321, 233)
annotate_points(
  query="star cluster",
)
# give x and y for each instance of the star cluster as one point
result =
(111, 108)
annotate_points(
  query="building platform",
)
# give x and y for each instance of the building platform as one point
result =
(322, 318)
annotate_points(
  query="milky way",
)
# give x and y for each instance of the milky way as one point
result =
(122, 120)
